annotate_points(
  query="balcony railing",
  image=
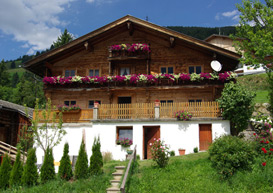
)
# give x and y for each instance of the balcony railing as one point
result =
(137, 111)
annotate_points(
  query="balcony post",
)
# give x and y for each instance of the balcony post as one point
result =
(95, 111)
(157, 109)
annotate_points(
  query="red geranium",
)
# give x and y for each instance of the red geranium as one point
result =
(264, 163)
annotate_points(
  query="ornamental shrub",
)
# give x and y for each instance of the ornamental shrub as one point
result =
(229, 154)
(65, 169)
(5, 172)
(17, 170)
(47, 169)
(96, 161)
(81, 167)
(237, 104)
(160, 152)
(30, 173)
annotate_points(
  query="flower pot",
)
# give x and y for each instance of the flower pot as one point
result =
(182, 151)
(72, 111)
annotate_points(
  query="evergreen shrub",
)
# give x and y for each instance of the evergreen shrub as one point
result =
(81, 167)
(5, 172)
(30, 173)
(17, 171)
(47, 169)
(65, 169)
(96, 162)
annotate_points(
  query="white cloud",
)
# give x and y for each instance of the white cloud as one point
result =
(33, 22)
(230, 13)
(99, 2)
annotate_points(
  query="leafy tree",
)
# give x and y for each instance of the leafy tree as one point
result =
(96, 161)
(6, 93)
(17, 170)
(4, 76)
(5, 172)
(64, 38)
(12, 65)
(256, 31)
(65, 169)
(237, 104)
(47, 169)
(14, 79)
(81, 167)
(51, 132)
(30, 173)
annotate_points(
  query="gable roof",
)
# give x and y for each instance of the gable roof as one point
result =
(35, 64)
(18, 108)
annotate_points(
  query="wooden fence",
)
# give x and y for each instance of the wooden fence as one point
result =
(11, 151)
(197, 109)
(126, 111)
(76, 116)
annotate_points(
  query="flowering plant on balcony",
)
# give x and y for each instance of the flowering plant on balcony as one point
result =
(183, 115)
(124, 142)
(68, 108)
(138, 78)
(131, 47)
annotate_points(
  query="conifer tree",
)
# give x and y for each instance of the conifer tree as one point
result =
(81, 167)
(96, 161)
(30, 174)
(5, 172)
(47, 170)
(17, 170)
(65, 169)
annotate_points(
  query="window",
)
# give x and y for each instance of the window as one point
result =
(69, 73)
(195, 69)
(166, 70)
(91, 103)
(69, 103)
(124, 71)
(166, 101)
(125, 132)
(195, 100)
(94, 72)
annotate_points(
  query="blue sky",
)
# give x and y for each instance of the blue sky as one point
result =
(27, 26)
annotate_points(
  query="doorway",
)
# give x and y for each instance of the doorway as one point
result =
(150, 133)
(124, 100)
(205, 136)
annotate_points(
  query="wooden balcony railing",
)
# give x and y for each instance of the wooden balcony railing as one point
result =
(81, 116)
(140, 111)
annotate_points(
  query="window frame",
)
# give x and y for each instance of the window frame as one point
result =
(167, 70)
(70, 102)
(99, 101)
(118, 128)
(94, 71)
(69, 69)
(194, 66)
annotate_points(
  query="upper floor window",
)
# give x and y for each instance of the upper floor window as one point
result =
(166, 70)
(94, 72)
(195, 100)
(69, 103)
(91, 103)
(69, 73)
(166, 101)
(124, 71)
(195, 69)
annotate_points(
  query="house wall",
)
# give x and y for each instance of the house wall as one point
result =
(175, 133)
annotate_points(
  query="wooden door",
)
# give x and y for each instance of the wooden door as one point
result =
(150, 133)
(205, 136)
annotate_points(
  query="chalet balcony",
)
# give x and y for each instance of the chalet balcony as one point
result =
(141, 111)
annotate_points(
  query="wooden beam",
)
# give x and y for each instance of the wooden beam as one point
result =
(130, 27)
(172, 41)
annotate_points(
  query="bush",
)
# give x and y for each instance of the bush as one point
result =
(229, 154)
(172, 153)
(237, 104)
(107, 156)
(17, 170)
(30, 174)
(47, 169)
(160, 153)
(81, 167)
(195, 150)
(5, 172)
(65, 169)
(96, 162)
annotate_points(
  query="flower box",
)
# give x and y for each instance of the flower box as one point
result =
(72, 111)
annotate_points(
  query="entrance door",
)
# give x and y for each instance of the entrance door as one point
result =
(124, 111)
(149, 134)
(205, 136)
(124, 100)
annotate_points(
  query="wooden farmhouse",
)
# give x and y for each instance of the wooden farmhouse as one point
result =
(129, 78)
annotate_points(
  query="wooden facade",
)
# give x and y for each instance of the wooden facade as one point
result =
(169, 50)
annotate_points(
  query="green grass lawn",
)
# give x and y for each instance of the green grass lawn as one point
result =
(20, 71)
(190, 173)
(261, 96)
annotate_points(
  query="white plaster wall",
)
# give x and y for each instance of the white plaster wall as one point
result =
(176, 134)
